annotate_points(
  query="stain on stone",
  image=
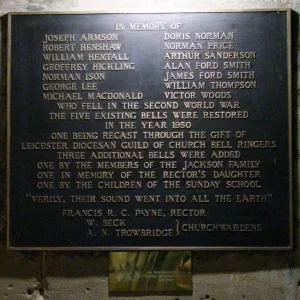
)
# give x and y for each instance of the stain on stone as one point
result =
(36, 7)
(41, 291)
(30, 291)
(207, 297)
(35, 293)
(38, 1)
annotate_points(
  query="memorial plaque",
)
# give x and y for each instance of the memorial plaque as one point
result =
(149, 131)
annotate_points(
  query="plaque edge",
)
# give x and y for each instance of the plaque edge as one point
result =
(290, 123)
(8, 130)
(141, 11)
(290, 247)
(129, 249)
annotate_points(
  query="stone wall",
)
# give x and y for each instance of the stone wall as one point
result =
(217, 275)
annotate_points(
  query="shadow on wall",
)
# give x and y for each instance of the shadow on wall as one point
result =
(80, 264)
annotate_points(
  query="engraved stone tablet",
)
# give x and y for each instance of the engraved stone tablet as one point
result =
(149, 131)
